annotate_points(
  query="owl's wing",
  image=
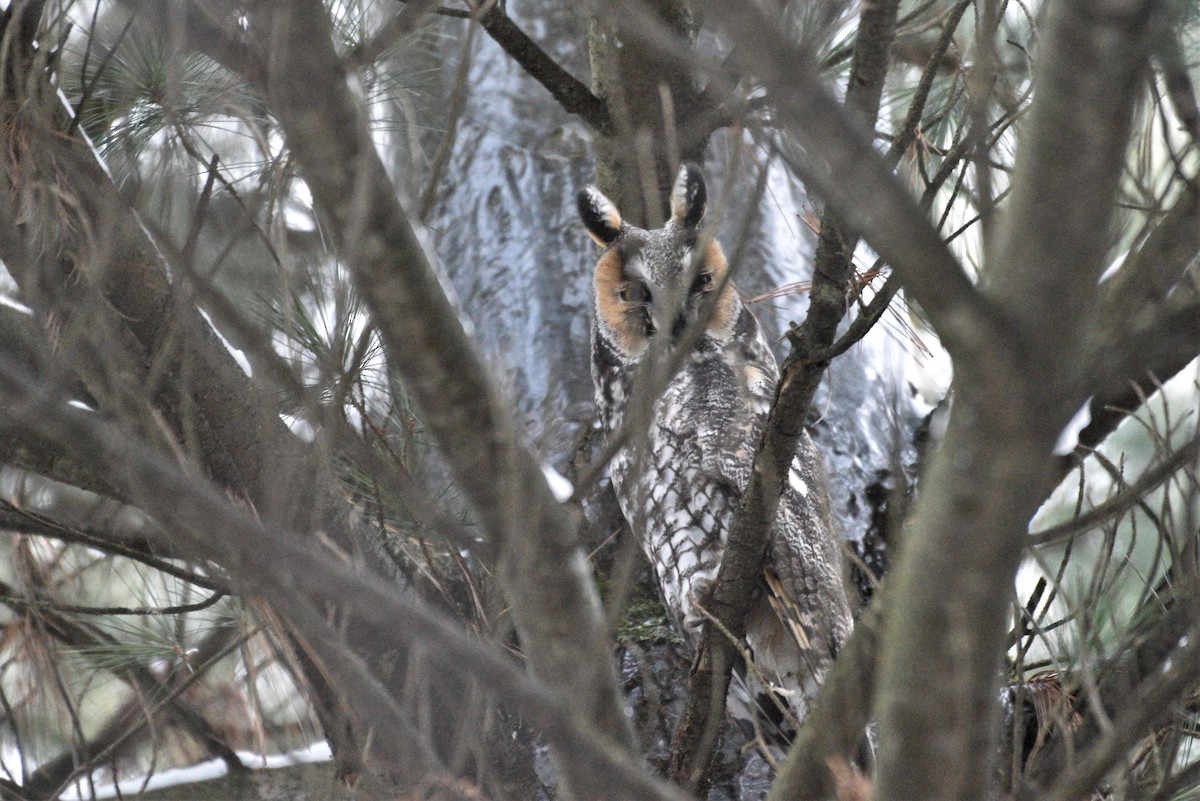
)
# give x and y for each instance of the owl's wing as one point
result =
(803, 579)
(806, 557)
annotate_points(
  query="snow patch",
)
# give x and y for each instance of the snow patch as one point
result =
(205, 771)
(238, 356)
(1069, 438)
(562, 489)
(797, 482)
(300, 427)
(5, 300)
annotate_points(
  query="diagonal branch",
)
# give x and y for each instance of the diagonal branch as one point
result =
(294, 576)
(747, 545)
(542, 566)
(861, 189)
(1148, 323)
(571, 93)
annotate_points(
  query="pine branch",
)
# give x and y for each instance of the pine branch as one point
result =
(130, 719)
(79, 636)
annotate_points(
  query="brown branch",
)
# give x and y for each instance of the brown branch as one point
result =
(572, 94)
(307, 91)
(1149, 274)
(1148, 322)
(291, 573)
(753, 526)
(916, 109)
(40, 604)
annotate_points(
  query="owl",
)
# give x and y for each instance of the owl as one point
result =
(662, 301)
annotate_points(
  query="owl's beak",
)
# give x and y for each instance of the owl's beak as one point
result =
(678, 327)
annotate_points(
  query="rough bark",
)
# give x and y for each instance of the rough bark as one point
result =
(941, 649)
(638, 158)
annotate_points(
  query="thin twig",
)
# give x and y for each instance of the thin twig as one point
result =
(24, 602)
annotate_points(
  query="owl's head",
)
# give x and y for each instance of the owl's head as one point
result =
(654, 283)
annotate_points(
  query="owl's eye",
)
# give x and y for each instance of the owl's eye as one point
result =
(703, 281)
(633, 292)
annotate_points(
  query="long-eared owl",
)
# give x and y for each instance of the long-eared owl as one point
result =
(682, 472)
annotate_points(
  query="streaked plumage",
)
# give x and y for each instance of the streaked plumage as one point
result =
(679, 487)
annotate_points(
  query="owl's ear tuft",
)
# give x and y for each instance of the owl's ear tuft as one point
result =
(689, 198)
(599, 215)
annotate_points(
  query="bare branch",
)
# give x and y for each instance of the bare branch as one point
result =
(273, 566)
(861, 189)
(1148, 324)
(541, 566)
(753, 527)
(573, 95)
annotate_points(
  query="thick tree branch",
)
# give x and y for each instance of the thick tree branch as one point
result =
(1148, 325)
(1154, 269)
(962, 547)
(1164, 345)
(542, 566)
